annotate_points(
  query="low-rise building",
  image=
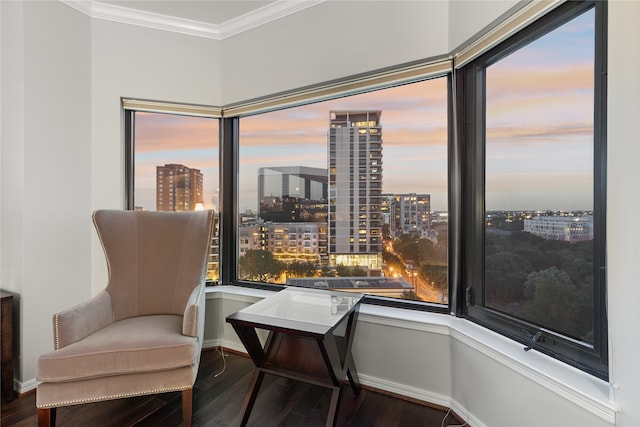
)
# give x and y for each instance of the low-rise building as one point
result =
(568, 229)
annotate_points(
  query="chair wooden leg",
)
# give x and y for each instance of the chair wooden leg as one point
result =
(46, 417)
(187, 407)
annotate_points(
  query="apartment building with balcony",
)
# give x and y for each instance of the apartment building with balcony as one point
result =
(355, 189)
(410, 214)
(287, 241)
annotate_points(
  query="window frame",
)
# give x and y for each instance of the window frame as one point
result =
(470, 146)
(130, 107)
(229, 189)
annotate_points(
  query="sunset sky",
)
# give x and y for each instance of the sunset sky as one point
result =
(539, 133)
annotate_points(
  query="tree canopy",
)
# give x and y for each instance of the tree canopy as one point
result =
(260, 265)
(548, 282)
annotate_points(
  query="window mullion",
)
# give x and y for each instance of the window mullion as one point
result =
(229, 129)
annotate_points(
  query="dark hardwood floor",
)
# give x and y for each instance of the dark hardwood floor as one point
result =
(217, 401)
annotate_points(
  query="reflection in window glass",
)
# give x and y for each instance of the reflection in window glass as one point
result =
(176, 167)
(540, 181)
(349, 194)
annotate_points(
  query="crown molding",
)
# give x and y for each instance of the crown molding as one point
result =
(271, 12)
(256, 18)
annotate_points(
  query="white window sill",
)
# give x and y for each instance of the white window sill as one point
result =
(572, 384)
(581, 388)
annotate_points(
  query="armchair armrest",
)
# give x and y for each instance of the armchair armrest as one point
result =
(74, 324)
(193, 319)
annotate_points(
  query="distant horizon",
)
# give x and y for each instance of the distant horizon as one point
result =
(539, 133)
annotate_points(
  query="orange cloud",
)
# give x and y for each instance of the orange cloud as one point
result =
(411, 114)
(517, 81)
(166, 132)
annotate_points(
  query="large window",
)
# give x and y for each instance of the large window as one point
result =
(349, 194)
(481, 193)
(534, 195)
(175, 167)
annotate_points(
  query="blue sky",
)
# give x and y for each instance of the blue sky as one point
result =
(539, 133)
(540, 123)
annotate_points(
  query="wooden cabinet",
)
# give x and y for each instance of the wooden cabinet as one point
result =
(6, 345)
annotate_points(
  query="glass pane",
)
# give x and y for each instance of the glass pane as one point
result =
(176, 167)
(349, 194)
(539, 181)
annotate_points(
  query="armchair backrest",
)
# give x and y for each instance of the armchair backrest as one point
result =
(155, 259)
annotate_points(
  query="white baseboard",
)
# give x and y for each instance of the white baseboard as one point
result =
(25, 386)
(231, 345)
(404, 390)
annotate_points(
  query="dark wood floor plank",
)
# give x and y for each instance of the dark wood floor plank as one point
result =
(31, 421)
(297, 420)
(18, 410)
(368, 412)
(168, 415)
(301, 400)
(271, 404)
(217, 401)
(310, 403)
(135, 415)
(350, 406)
(415, 415)
(390, 411)
(221, 406)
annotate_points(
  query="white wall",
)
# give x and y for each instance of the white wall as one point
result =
(12, 130)
(623, 200)
(46, 149)
(331, 40)
(136, 62)
(470, 17)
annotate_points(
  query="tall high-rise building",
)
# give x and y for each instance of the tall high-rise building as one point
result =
(178, 188)
(355, 189)
(410, 214)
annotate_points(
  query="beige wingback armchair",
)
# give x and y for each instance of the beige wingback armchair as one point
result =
(143, 333)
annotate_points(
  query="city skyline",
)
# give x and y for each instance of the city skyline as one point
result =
(520, 132)
(415, 145)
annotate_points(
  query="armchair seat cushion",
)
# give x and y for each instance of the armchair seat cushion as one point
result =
(135, 345)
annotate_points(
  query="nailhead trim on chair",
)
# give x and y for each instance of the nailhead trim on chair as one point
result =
(115, 396)
(57, 334)
(194, 330)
